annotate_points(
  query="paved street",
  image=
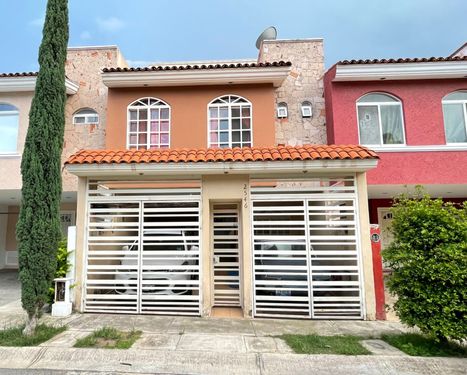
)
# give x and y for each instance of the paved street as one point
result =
(199, 362)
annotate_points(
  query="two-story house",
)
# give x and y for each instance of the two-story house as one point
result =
(413, 113)
(84, 128)
(214, 188)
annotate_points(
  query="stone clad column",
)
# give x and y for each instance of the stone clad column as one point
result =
(304, 83)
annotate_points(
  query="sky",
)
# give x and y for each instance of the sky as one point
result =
(150, 31)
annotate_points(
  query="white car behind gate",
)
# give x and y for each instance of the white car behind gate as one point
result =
(158, 268)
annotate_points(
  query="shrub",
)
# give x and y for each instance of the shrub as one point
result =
(63, 266)
(429, 261)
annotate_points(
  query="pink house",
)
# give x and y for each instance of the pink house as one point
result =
(413, 113)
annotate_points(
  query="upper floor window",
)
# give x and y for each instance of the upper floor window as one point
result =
(455, 117)
(9, 123)
(85, 116)
(229, 122)
(148, 124)
(380, 120)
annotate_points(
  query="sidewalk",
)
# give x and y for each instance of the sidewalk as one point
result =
(185, 345)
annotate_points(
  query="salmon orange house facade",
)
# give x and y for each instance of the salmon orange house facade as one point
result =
(200, 185)
(206, 195)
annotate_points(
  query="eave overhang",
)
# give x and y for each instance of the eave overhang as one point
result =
(221, 168)
(201, 77)
(28, 83)
(401, 71)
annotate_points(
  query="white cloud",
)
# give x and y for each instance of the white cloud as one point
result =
(37, 22)
(85, 35)
(111, 24)
(139, 63)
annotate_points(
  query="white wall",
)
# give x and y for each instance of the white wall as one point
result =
(3, 228)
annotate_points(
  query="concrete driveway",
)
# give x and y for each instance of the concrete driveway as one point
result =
(11, 312)
(10, 289)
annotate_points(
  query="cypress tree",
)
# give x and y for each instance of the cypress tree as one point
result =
(38, 229)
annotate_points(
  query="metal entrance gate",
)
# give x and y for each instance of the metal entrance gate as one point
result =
(226, 253)
(143, 249)
(306, 260)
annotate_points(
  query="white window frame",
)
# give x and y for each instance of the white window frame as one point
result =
(160, 104)
(464, 107)
(379, 104)
(9, 113)
(230, 104)
(86, 117)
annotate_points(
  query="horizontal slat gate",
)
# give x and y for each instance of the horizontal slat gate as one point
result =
(305, 250)
(226, 264)
(112, 258)
(280, 259)
(334, 258)
(170, 258)
(143, 249)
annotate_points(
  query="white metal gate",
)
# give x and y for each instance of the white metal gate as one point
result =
(143, 249)
(226, 254)
(305, 249)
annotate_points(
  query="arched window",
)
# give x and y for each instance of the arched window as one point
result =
(455, 117)
(229, 122)
(9, 123)
(380, 120)
(148, 124)
(85, 116)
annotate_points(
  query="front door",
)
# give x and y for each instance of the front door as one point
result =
(226, 254)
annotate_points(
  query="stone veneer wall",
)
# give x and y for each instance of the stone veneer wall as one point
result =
(83, 66)
(304, 83)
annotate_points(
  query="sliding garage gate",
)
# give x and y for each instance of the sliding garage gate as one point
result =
(143, 248)
(305, 249)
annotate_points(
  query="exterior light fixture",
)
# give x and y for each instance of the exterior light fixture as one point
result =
(306, 109)
(282, 110)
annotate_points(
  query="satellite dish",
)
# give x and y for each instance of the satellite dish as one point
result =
(268, 34)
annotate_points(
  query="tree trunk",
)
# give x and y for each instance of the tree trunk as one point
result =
(31, 325)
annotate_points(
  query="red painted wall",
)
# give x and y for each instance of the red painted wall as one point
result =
(328, 99)
(448, 167)
(423, 120)
(373, 205)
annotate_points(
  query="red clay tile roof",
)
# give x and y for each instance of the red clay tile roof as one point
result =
(201, 66)
(186, 155)
(19, 74)
(402, 60)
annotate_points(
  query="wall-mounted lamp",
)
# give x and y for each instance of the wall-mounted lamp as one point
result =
(306, 109)
(282, 110)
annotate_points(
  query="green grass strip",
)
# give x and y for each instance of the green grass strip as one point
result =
(314, 344)
(14, 336)
(422, 346)
(109, 338)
